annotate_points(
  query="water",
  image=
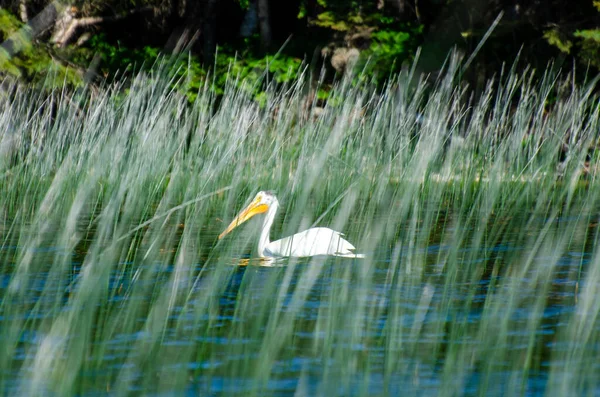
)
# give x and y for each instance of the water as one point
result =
(324, 327)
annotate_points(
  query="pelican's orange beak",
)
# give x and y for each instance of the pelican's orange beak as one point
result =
(256, 207)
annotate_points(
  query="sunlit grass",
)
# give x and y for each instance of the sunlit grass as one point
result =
(478, 215)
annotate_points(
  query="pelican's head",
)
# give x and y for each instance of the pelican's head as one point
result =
(260, 204)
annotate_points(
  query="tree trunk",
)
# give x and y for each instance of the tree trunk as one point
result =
(400, 6)
(210, 32)
(264, 24)
(44, 20)
(187, 21)
(23, 13)
(250, 21)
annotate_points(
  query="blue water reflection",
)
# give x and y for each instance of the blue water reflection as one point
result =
(210, 368)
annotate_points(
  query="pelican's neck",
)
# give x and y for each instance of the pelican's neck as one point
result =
(266, 229)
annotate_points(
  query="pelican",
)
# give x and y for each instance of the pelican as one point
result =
(311, 242)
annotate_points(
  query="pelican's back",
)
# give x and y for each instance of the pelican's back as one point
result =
(312, 242)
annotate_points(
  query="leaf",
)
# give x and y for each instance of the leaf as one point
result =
(590, 34)
(554, 38)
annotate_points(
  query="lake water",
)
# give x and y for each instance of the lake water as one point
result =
(334, 328)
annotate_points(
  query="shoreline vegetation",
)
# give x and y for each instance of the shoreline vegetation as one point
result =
(112, 276)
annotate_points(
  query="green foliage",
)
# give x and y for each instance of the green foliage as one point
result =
(389, 46)
(29, 61)
(328, 20)
(383, 41)
(8, 23)
(253, 74)
(589, 46)
(389, 49)
(590, 34)
(117, 58)
(120, 61)
(244, 4)
(586, 41)
(555, 38)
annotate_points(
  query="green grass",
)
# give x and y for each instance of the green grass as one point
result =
(482, 268)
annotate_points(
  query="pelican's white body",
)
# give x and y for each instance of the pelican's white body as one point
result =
(311, 242)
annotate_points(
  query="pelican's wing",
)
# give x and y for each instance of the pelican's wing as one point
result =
(312, 242)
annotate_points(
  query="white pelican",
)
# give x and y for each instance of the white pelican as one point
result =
(311, 242)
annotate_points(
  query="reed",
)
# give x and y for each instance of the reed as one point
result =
(478, 216)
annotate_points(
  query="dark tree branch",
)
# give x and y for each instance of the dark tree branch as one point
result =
(67, 24)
